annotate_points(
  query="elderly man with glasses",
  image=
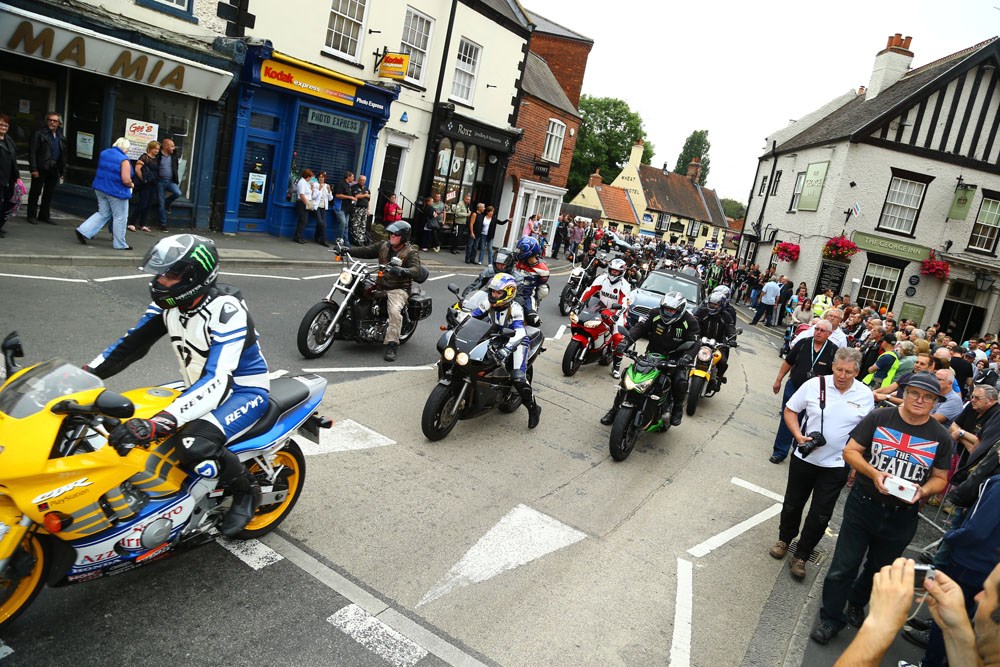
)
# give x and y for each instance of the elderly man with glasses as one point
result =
(835, 316)
(888, 446)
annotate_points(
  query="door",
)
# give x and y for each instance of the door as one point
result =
(961, 320)
(390, 177)
(257, 185)
(27, 101)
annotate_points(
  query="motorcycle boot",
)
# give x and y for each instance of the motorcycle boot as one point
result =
(616, 368)
(246, 499)
(390, 351)
(609, 416)
(520, 383)
(534, 414)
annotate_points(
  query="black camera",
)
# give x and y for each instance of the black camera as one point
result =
(817, 441)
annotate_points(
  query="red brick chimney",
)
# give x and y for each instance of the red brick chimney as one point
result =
(595, 179)
(694, 170)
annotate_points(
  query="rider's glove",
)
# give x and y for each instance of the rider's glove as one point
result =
(503, 353)
(396, 270)
(685, 360)
(623, 347)
(141, 431)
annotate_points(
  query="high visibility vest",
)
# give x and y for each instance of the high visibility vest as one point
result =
(889, 376)
(821, 304)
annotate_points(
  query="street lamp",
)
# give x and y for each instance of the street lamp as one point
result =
(984, 281)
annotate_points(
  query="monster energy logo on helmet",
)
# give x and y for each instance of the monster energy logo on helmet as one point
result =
(203, 256)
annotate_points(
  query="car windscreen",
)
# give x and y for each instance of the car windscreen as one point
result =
(662, 283)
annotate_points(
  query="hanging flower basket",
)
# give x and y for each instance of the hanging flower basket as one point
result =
(935, 267)
(787, 252)
(841, 248)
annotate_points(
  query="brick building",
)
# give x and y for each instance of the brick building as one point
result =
(548, 115)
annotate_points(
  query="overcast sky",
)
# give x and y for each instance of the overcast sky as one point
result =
(744, 69)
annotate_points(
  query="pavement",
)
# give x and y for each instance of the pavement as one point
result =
(56, 245)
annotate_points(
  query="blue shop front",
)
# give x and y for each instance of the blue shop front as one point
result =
(291, 116)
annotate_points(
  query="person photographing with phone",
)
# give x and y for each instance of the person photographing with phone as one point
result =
(901, 456)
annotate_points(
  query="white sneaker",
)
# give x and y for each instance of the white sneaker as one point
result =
(616, 373)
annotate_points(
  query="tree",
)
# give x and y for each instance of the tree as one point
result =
(608, 131)
(696, 145)
(733, 208)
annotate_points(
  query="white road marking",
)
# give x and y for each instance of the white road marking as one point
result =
(61, 280)
(368, 369)
(274, 375)
(518, 538)
(252, 552)
(346, 435)
(258, 275)
(717, 541)
(447, 275)
(128, 277)
(559, 332)
(324, 275)
(377, 637)
(4, 650)
(680, 645)
(758, 489)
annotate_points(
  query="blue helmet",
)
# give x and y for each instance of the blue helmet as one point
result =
(527, 247)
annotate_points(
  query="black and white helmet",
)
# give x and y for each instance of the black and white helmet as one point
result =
(672, 307)
(723, 290)
(186, 264)
(716, 302)
(616, 269)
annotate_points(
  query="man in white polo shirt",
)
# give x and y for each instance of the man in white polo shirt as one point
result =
(834, 316)
(834, 404)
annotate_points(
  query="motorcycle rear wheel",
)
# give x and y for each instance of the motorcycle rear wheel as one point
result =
(310, 339)
(407, 330)
(566, 299)
(624, 434)
(571, 358)
(268, 517)
(17, 594)
(696, 386)
(434, 421)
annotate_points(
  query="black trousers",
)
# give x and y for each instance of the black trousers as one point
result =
(303, 219)
(824, 485)
(44, 185)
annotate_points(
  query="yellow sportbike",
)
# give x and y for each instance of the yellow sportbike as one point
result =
(72, 508)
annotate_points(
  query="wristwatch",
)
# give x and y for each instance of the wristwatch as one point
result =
(961, 434)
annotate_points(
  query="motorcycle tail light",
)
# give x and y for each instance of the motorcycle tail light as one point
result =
(593, 324)
(449, 353)
(704, 354)
(462, 359)
(57, 521)
(345, 278)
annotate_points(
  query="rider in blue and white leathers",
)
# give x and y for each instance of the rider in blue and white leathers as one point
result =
(502, 310)
(212, 334)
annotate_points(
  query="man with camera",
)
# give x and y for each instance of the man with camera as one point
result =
(901, 456)
(832, 410)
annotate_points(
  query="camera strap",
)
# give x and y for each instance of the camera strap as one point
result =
(822, 400)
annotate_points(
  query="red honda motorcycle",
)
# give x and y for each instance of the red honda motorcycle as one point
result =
(594, 338)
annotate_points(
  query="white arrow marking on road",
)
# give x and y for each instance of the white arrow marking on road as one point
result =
(128, 277)
(258, 275)
(274, 375)
(325, 275)
(346, 435)
(368, 369)
(4, 650)
(680, 645)
(520, 537)
(252, 552)
(61, 280)
(377, 637)
(559, 332)
(447, 275)
(757, 489)
(717, 541)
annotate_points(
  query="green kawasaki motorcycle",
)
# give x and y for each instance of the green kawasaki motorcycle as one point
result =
(645, 404)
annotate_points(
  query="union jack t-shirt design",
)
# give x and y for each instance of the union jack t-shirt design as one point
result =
(901, 454)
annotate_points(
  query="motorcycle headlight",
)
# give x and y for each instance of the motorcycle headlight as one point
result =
(449, 353)
(705, 354)
(593, 324)
(462, 359)
(345, 277)
(640, 387)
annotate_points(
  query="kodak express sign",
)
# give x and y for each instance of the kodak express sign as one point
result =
(394, 66)
(304, 81)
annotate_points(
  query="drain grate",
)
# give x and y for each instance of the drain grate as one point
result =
(816, 557)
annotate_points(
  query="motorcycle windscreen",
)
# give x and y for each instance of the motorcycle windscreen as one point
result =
(470, 333)
(29, 393)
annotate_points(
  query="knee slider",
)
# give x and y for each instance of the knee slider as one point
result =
(198, 441)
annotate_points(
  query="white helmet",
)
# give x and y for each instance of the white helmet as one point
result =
(616, 269)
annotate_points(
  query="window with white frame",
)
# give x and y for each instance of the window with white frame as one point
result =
(763, 186)
(984, 231)
(179, 4)
(878, 286)
(416, 42)
(180, 8)
(463, 86)
(902, 204)
(800, 180)
(343, 30)
(554, 136)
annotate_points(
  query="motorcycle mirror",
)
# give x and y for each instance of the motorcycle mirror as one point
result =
(507, 333)
(739, 331)
(453, 288)
(114, 405)
(12, 349)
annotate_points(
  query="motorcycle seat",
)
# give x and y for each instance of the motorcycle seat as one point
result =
(285, 394)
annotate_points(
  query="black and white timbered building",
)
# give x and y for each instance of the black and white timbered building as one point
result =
(909, 169)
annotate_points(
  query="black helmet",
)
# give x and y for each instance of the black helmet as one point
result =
(190, 262)
(672, 307)
(400, 227)
(503, 261)
(716, 302)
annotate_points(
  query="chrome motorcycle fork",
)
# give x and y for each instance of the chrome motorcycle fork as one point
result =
(348, 294)
(458, 399)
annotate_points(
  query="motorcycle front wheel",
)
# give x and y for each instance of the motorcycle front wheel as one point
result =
(696, 386)
(624, 434)
(291, 466)
(566, 299)
(571, 358)
(435, 422)
(311, 339)
(24, 578)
